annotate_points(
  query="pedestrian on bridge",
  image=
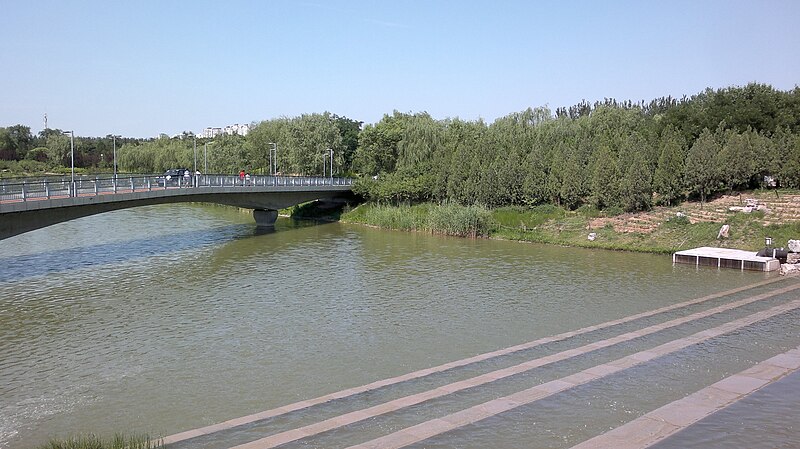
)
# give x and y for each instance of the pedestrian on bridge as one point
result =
(241, 177)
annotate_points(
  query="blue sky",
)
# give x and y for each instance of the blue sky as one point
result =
(148, 67)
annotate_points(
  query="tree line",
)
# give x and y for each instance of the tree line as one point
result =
(608, 154)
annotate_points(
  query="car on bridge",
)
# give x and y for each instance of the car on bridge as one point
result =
(174, 177)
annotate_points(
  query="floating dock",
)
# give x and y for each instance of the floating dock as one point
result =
(726, 258)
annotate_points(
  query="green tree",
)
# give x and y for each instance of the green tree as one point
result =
(377, 144)
(573, 182)
(790, 170)
(734, 162)
(668, 178)
(349, 129)
(604, 178)
(699, 166)
(636, 191)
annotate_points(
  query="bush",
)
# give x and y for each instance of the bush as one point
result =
(613, 211)
(588, 211)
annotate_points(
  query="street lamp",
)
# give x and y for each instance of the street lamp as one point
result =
(273, 162)
(194, 138)
(331, 150)
(205, 158)
(115, 156)
(72, 159)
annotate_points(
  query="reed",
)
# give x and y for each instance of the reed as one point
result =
(461, 221)
(91, 441)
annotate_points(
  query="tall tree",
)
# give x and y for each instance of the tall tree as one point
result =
(790, 170)
(377, 144)
(700, 171)
(605, 178)
(668, 178)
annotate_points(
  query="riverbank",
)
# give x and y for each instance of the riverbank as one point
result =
(661, 230)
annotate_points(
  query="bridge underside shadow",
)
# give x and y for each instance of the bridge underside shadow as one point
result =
(265, 205)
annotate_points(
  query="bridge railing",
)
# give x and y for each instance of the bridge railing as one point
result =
(32, 189)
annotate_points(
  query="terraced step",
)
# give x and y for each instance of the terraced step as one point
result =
(318, 422)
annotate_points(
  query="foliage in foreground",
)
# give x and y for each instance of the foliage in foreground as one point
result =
(91, 441)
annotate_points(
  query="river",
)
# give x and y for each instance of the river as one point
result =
(166, 318)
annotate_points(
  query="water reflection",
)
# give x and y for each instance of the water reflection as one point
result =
(50, 262)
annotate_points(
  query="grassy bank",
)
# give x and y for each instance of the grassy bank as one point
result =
(553, 225)
(118, 441)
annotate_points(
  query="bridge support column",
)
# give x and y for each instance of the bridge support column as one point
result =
(265, 218)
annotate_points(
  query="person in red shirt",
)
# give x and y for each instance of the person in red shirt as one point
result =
(241, 177)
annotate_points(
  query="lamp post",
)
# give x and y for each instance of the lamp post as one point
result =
(205, 157)
(72, 160)
(115, 157)
(273, 162)
(331, 150)
(194, 138)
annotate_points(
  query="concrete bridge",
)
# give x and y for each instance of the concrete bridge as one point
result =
(30, 204)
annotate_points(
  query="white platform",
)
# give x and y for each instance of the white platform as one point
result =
(726, 258)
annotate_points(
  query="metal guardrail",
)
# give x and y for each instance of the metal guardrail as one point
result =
(63, 187)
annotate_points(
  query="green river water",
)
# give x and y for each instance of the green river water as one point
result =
(166, 318)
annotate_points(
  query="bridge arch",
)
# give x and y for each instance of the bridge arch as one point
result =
(19, 216)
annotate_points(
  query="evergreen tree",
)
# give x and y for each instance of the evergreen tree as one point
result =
(790, 171)
(604, 178)
(734, 161)
(699, 167)
(636, 191)
(573, 182)
(668, 178)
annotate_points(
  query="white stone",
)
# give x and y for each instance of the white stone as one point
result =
(592, 236)
(790, 268)
(723, 231)
(794, 246)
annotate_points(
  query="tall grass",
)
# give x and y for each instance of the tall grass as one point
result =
(462, 221)
(91, 441)
(404, 218)
(447, 219)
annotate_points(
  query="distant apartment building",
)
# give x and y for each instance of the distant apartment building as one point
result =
(210, 133)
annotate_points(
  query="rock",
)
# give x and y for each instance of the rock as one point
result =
(792, 258)
(680, 215)
(789, 268)
(592, 236)
(794, 246)
(724, 231)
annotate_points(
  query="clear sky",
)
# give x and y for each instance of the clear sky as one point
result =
(140, 68)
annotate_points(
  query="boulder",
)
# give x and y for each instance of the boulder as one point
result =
(723, 232)
(794, 246)
(789, 268)
(792, 258)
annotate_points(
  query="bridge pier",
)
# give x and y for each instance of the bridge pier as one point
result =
(265, 218)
